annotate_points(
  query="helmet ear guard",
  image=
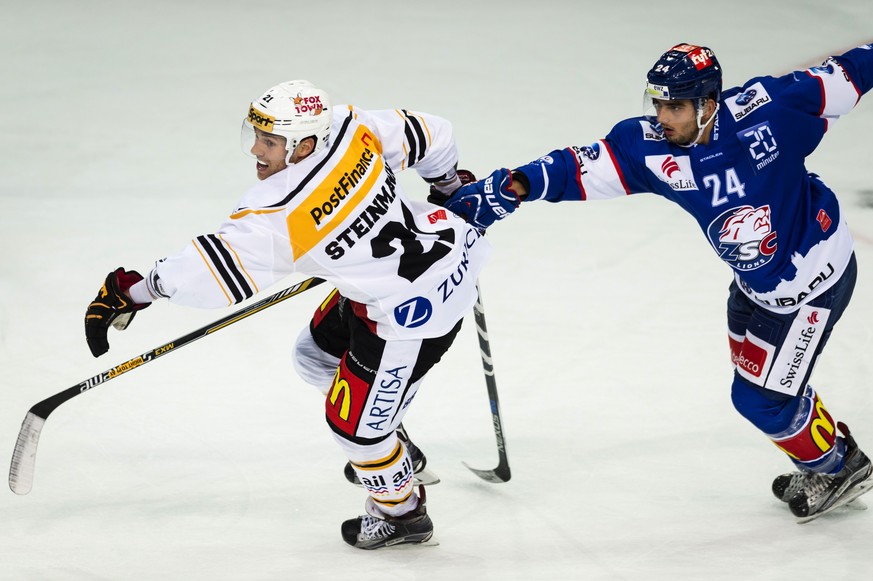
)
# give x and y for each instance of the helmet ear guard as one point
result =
(294, 110)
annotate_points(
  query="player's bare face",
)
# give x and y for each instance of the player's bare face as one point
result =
(678, 119)
(270, 151)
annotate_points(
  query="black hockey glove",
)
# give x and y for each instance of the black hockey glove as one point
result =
(113, 307)
(441, 191)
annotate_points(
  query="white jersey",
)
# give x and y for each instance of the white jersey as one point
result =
(409, 267)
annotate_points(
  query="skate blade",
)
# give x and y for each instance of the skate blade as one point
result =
(426, 478)
(431, 542)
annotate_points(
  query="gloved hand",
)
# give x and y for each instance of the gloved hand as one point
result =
(113, 307)
(484, 202)
(440, 192)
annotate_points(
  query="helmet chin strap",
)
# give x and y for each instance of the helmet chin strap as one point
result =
(701, 126)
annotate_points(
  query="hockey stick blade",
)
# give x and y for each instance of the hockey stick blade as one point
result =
(496, 476)
(24, 456)
(501, 473)
(23, 463)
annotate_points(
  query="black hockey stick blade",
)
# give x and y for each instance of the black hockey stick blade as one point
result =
(497, 475)
(24, 456)
(501, 473)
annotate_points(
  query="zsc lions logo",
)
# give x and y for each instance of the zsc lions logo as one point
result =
(744, 237)
(746, 98)
(413, 313)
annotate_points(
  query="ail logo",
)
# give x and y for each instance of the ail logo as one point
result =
(813, 318)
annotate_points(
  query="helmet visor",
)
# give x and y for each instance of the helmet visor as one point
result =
(651, 96)
(249, 135)
(247, 138)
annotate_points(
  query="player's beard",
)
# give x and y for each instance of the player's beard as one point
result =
(685, 137)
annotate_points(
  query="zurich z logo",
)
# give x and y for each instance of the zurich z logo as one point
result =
(413, 313)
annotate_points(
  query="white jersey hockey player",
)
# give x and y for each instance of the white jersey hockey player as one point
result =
(328, 205)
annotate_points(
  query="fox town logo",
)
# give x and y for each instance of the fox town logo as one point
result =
(310, 104)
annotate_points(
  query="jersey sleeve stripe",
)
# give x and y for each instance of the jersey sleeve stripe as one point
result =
(242, 268)
(217, 267)
(405, 157)
(421, 130)
(582, 193)
(824, 96)
(235, 275)
(212, 272)
(618, 171)
(229, 274)
(426, 129)
(415, 136)
(410, 139)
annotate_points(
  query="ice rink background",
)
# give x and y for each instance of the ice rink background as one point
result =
(120, 129)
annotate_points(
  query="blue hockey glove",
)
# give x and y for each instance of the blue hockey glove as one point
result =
(484, 202)
(113, 307)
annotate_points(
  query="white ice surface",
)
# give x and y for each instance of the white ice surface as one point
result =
(119, 142)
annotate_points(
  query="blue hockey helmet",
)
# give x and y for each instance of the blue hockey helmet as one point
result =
(686, 71)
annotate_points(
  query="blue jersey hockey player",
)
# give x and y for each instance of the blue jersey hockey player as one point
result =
(734, 160)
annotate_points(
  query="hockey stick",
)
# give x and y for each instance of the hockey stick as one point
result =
(501, 473)
(24, 456)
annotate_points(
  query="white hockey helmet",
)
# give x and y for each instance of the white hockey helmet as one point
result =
(293, 109)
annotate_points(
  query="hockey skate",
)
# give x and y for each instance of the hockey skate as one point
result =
(787, 485)
(812, 494)
(375, 529)
(423, 476)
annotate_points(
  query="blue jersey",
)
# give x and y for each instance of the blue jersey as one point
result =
(776, 225)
